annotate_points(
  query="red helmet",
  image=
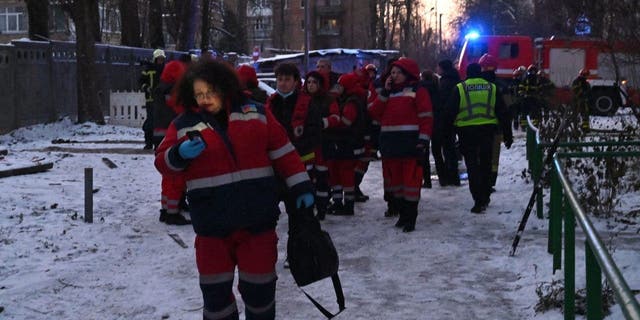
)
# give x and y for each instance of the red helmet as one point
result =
(584, 72)
(488, 62)
(371, 67)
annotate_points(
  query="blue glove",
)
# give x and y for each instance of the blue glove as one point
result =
(191, 148)
(304, 200)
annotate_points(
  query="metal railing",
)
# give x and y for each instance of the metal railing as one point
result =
(564, 204)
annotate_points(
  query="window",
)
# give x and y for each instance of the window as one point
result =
(508, 51)
(328, 26)
(302, 24)
(13, 20)
(286, 4)
(302, 4)
(58, 19)
(109, 19)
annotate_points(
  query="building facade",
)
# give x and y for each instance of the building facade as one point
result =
(332, 24)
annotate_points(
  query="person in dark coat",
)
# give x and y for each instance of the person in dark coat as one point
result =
(316, 86)
(429, 81)
(476, 109)
(581, 90)
(443, 144)
(290, 107)
(230, 150)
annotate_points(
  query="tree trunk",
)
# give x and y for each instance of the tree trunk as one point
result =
(86, 18)
(156, 38)
(406, 28)
(205, 34)
(130, 24)
(373, 23)
(38, 12)
(187, 30)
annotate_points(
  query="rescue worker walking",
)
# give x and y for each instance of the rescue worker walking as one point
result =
(343, 142)
(165, 110)
(230, 150)
(149, 80)
(581, 90)
(476, 110)
(404, 111)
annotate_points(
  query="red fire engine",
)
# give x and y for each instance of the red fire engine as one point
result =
(560, 60)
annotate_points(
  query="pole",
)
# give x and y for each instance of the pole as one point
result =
(440, 34)
(306, 36)
(88, 195)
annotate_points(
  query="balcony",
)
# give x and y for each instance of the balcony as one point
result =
(329, 7)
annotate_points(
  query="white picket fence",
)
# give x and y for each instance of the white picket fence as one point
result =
(126, 108)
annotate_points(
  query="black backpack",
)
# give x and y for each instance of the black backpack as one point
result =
(312, 256)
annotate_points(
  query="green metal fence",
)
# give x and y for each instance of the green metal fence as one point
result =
(564, 208)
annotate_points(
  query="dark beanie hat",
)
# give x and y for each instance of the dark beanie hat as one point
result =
(446, 64)
(474, 70)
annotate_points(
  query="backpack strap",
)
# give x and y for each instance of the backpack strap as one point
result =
(337, 286)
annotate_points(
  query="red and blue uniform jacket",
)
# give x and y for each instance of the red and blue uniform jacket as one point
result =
(406, 120)
(232, 183)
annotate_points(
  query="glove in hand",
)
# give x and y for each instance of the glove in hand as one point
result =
(191, 148)
(305, 200)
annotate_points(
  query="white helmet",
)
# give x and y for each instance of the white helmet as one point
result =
(157, 53)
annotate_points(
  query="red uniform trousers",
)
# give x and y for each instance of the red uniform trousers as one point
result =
(402, 178)
(256, 256)
(173, 188)
(342, 178)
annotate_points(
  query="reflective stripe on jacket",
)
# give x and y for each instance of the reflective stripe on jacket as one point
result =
(477, 103)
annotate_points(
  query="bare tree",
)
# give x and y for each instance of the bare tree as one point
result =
(187, 25)
(38, 12)
(130, 24)
(205, 33)
(87, 21)
(156, 34)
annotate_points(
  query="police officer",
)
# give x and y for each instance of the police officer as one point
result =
(581, 90)
(476, 110)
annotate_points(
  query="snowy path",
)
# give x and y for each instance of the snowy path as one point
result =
(125, 266)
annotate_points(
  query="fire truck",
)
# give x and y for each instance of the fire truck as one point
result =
(561, 60)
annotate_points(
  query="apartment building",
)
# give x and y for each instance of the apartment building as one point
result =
(332, 24)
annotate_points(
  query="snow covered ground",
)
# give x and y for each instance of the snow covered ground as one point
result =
(125, 265)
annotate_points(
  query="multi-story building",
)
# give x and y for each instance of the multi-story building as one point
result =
(332, 23)
(14, 22)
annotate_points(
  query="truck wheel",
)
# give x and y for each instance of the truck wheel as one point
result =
(605, 102)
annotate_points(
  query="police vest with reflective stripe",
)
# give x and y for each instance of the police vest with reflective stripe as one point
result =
(477, 103)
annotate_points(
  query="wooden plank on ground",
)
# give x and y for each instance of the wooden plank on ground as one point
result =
(109, 163)
(178, 240)
(26, 170)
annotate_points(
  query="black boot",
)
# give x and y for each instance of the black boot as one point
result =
(392, 208)
(176, 219)
(359, 196)
(163, 215)
(322, 212)
(402, 212)
(411, 214)
(334, 207)
(347, 209)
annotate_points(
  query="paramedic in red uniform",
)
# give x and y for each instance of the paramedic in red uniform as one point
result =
(172, 186)
(404, 111)
(230, 151)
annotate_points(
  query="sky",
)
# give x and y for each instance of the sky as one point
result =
(124, 265)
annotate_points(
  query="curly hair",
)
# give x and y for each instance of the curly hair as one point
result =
(221, 76)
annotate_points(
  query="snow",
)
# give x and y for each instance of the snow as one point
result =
(455, 265)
